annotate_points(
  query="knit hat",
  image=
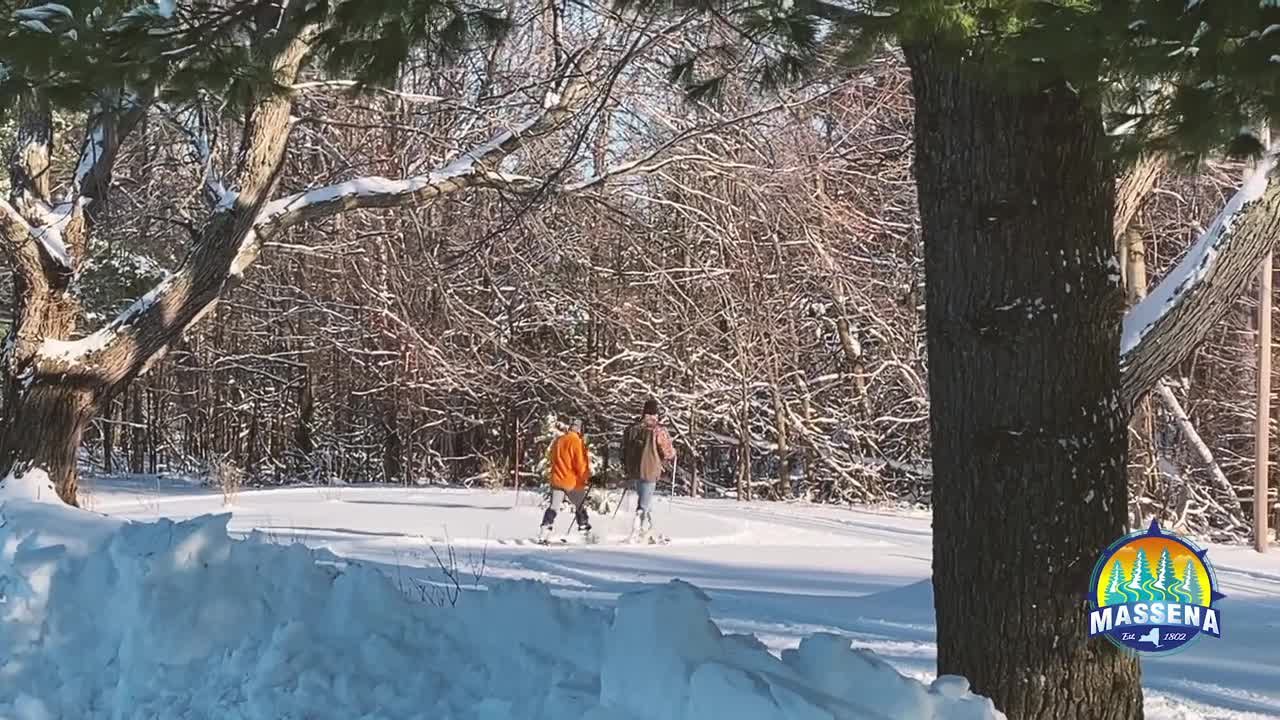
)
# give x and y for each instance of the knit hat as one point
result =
(650, 407)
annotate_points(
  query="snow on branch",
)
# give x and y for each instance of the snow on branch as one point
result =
(43, 12)
(195, 126)
(16, 236)
(1197, 264)
(1165, 326)
(50, 238)
(471, 168)
(47, 19)
(91, 152)
(97, 152)
(352, 84)
(72, 351)
(109, 120)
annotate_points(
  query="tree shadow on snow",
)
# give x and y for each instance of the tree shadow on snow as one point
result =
(430, 503)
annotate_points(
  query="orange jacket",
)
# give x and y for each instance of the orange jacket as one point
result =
(570, 467)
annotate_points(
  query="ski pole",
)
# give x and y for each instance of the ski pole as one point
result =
(625, 488)
(578, 510)
(675, 466)
(675, 469)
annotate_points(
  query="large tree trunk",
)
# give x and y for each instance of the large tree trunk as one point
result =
(1028, 433)
(53, 420)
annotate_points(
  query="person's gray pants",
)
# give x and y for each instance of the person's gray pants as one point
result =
(575, 497)
(557, 499)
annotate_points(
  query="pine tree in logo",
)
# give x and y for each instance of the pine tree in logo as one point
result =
(1139, 586)
(1114, 590)
(1191, 585)
(1166, 580)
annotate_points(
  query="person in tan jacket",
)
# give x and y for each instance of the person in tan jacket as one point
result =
(570, 470)
(646, 451)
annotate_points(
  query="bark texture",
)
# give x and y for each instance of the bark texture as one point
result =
(1029, 440)
(1136, 182)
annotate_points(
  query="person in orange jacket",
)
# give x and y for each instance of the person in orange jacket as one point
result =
(570, 469)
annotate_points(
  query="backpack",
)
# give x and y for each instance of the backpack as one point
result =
(641, 458)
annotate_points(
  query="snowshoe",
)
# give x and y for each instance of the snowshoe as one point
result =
(642, 532)
(544, 535)
(648, 537)
(587, 535)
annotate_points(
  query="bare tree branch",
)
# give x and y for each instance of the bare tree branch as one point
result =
(472, 168)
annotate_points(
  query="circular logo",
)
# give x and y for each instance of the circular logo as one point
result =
(1154, 592)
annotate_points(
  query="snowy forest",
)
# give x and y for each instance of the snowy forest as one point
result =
(754, 262)
(936, 280)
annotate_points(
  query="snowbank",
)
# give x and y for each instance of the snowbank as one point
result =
(33, 485)
(101, 618)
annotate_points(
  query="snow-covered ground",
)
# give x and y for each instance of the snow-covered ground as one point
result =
(779, 572)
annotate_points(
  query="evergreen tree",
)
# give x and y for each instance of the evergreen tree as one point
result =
(1115, 594)
(1165, 579)
(1192, 586)
(71, 51)
(1177, 590)
(1140, 578)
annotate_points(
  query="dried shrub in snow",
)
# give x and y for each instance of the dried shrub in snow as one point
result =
(225, 475)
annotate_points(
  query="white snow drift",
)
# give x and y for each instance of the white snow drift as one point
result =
(105, 618)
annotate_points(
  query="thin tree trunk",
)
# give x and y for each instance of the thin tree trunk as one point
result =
(154, 415)
(1028, 441)
(108, 439)
(1134, 263)
(744, 450)
(516, 456)
(1262, 460)
(695, 483)
(303, 434)
(1206, 455)
(137, 436)
(810, 474)
(784, 446)
(1262, 440)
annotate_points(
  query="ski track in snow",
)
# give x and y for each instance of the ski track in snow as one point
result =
(778, 571)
